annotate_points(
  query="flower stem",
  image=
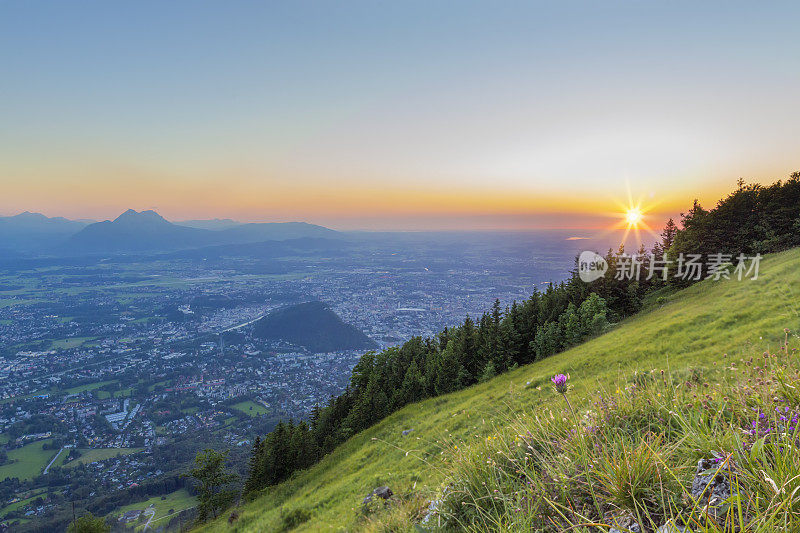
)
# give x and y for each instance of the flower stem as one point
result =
(570, 407)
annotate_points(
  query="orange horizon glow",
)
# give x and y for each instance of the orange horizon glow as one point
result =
(351, 206)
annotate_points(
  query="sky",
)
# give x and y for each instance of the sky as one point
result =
(393, 115)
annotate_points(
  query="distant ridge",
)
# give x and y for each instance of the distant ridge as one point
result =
(135, 231)
(212, 223)
(35, 231)
(276, 231)
(314, 326)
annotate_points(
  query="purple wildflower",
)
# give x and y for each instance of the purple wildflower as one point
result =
(560, 383)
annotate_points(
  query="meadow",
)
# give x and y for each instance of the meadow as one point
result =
(27, 462)
(251, 408)
(689, 329)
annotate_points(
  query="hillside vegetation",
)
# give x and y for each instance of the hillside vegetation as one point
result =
(690, 329)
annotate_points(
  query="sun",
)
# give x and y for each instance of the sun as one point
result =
(632, 220)
(633, 217)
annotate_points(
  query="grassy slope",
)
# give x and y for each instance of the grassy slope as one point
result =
(694, 327)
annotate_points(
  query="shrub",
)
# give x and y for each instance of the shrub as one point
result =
(294, 518)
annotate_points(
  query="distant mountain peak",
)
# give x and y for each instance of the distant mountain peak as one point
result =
(30, 216)
(131, 215)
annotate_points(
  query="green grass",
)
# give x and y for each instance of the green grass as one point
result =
(88, 387)
(633, 451)
(72, 342)
(176, 501)
(92, 455)
(27, 462)
(251, 408)
(124, 393)
(693, 328)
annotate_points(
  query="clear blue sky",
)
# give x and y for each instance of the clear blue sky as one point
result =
(391, 114)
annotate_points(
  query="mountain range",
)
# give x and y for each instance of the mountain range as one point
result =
(139, 231)
(29, 231)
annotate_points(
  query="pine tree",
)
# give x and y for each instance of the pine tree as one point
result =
(254, 481)
(412, 389)
(448, 370)
(214, 494)
(488, 372)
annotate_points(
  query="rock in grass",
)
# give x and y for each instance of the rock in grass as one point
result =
(671, 527)
(710, 487)
(625, 524)
(383, 493)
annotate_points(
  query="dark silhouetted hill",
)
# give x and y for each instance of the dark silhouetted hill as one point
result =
(136, 231)
(314, 326)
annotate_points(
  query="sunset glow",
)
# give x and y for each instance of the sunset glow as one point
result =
(361, 117)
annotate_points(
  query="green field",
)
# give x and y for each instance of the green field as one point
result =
(692, 329)
(88, 387)
(251, 408)
(122, 393)
(92, 455)
(73, 342)
(27, 462)
(175, 502)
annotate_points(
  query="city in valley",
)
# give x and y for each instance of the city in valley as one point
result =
(115, 370)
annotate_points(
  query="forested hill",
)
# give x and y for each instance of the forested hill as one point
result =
(314, 326)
